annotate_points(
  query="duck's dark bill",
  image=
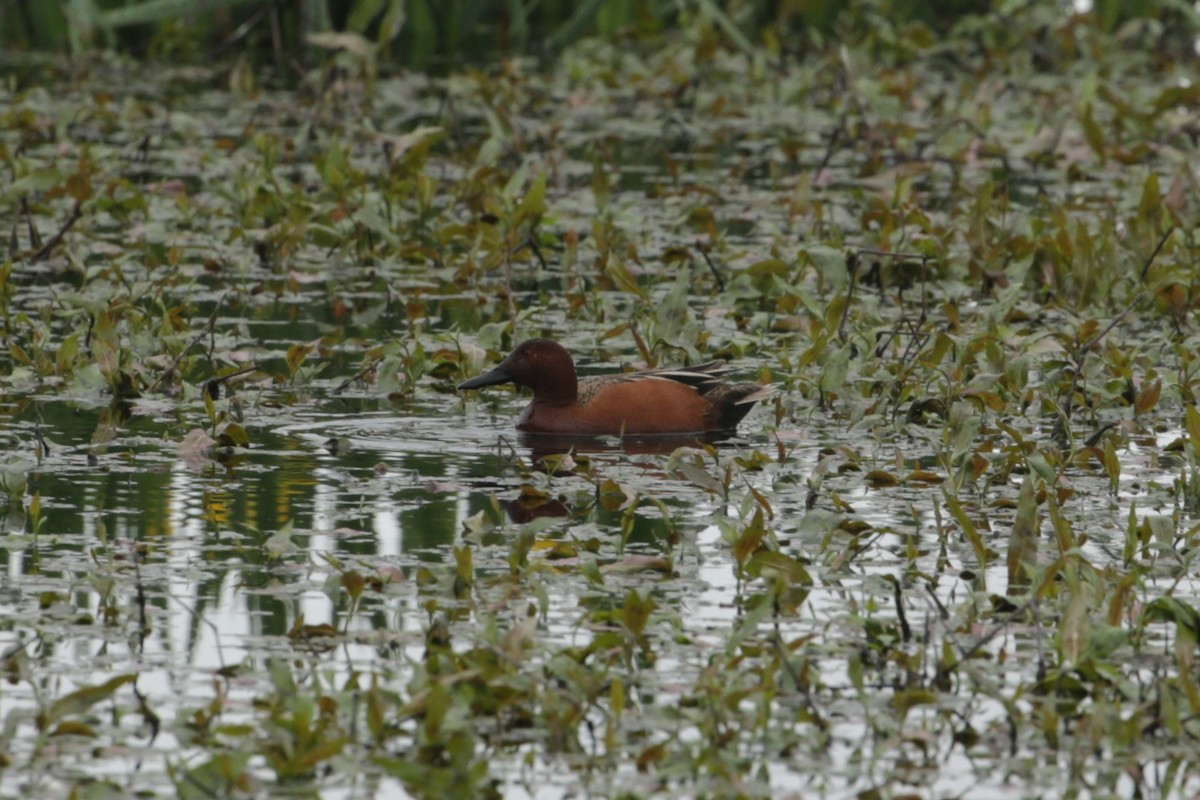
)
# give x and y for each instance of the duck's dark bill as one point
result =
(498, 375)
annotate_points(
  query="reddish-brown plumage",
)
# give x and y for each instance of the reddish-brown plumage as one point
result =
(655, 402)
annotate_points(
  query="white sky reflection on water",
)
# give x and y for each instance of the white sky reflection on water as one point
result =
(214, 617)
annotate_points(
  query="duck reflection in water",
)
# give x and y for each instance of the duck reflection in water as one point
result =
(544, 449)
(560, 455)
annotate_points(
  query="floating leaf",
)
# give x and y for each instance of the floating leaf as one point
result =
(196, 445)
(74, 729)
(985, 399)
(879, 479)
(854, 526)
(638, 563)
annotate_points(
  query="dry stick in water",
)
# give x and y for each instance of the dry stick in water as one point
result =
(212, 388)
(35, 238)
(852, 268)
(716, 273)
(76, 213)
(208, 326)
(341, 387)
(838, 132)
(852, 265)
(1157, 250)
(532, 244)
(1082, 351)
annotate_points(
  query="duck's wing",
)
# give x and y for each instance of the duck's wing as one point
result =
(701, 377)
(706, 379)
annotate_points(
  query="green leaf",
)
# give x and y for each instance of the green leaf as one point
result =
(233, 435)
(81, 700)
(1075, 629)
(1150, 206)
(834, 369)
(700, 476)
(464, 561)
(1132, 535)
(296, 355)
(219, 776)
(1104, 641)
(1023, 540)
(971, 533)
(635, 612)
(766, 562)
(1092, 132)
(1171, 609)
(533, 204)
(1192, 418)
(748, 625)
(362, 13)
(750, 539)
(1112, 464)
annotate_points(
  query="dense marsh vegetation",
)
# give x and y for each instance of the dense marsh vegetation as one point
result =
(258, 545)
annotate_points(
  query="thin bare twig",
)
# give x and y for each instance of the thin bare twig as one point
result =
(370, 365)
(716, 273)
(532, 244)
(76, 213)
(1081, 354)
(833, 141)
(211, 387)
(892, 254)
(852, 268)
(212, 319)
(1157, 250)
(35, 238)
(1095, 339)
(238, 34)
(898, 596)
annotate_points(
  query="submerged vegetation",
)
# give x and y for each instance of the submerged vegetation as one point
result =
(257, 544)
